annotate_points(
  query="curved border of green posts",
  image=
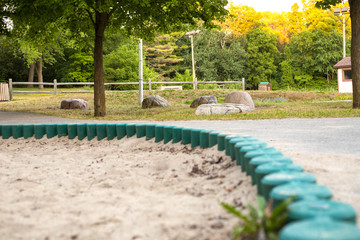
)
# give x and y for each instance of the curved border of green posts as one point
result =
(245, 150)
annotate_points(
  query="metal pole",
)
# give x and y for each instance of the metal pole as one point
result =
(243, 84)
(141, 89)
(344, 40)
(193, 62)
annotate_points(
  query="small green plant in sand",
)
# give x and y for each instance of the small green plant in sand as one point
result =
(260, 223)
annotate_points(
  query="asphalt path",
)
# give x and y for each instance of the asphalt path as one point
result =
(321, 135)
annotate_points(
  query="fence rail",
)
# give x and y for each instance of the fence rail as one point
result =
(55, 84)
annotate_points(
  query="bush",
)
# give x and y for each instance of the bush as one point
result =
(207, 86)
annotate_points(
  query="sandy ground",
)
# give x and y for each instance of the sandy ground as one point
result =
(119, 189)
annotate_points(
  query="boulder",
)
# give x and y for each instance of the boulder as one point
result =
(74, 104)
(203, 100)
(222, 108)
(155, 101)
(240, 98)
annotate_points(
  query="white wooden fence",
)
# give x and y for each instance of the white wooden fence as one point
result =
(55, 85)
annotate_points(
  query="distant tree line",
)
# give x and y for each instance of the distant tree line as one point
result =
(294, 50)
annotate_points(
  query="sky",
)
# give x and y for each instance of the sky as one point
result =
(269, 5)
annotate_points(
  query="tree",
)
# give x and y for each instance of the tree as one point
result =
(355, 43)
(219, 56)
(261, 49)
(241, 20)
(160, 54)
(141, 18)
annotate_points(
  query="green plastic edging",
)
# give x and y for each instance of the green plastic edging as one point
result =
(236, 147)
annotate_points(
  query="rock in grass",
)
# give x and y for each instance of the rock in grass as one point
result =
(155, 101)
(222, 108)
(74, 104)
(240, 97)
(203, 100)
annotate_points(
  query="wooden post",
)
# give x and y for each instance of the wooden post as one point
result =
(55, 87)
(150, 87)
(243, 84)
(11, 88)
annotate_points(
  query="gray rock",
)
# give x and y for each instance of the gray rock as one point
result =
(155, 101)
(203, 100)
(240, 98)
(222, 108)
(74, 104)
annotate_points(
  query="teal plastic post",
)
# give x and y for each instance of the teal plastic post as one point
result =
(39, 131)
(300, 190)
(269, 182)
(168, 134)
(91, 131)
(81, 131)
(51, 130)
(159, 133)
(195, 137)
(186, 136)
(28, 131)
(61, 130)
(321, 228)
(307, 209)
(150, 131)
(101, 131)
(247, 146)
(213, 138)
(120, 130)
(72, 131)
(111, 131)
(140, 130)
(204, 138)
(273, 167)
(6, 131)
(221, 142)
(17, 131)
(257, 161)
(177, 134)
(130, 130)
(259, 152)
(233, 141)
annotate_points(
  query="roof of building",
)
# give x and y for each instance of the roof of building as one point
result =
(344, 63)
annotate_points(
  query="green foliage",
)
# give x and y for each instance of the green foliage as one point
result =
(261, 49)
(309, 59)
(218, 56)
(259, 221)
(81, 67)
(233, 86)
(208, 86)
(122, 65)
(326, 3)
(186, 77)
(160, 55)
(12, 65)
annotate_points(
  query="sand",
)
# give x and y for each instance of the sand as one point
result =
(119, 189)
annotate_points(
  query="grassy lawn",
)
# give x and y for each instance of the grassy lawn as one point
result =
(124, 105)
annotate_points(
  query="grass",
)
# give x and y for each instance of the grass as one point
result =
(125, 105)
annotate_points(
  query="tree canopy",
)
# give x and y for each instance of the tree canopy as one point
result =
(85, 17)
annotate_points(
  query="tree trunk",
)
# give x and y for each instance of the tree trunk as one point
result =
(101, 20)
(39, 72)
(31, 75)
(355, 50)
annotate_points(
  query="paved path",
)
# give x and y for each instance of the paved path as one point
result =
(325, 135)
